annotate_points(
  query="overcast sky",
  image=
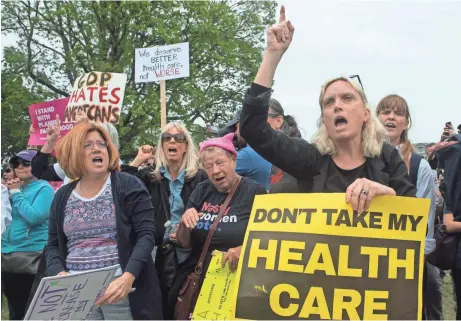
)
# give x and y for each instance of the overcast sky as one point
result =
(410, 48)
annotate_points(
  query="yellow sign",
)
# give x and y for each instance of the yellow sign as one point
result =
(310, 256)
(217, 292)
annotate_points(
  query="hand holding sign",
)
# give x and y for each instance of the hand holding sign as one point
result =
(363, 191)
(81, 118)
(279, 36)
(117, 289)
(53, 132)
(233, 256)
(63, 273)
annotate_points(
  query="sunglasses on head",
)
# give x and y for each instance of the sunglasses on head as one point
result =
(358, 79)
(24, 163)
(179, 138)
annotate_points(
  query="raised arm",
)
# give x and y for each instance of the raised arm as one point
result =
(292, 155)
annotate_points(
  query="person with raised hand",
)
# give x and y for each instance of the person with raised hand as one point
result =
(348, 154)
(170, 183)
(41, 167)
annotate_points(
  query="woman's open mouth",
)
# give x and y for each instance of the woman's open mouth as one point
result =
(97, 160)
(340, 121)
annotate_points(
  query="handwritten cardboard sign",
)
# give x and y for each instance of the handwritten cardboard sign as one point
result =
(70, 297)
(162, 63)
(99, 95)
(44, 115)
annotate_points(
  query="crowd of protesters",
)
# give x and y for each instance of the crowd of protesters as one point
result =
(152, 216)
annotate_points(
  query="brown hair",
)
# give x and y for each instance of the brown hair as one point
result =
(395, 102)
(70, 154)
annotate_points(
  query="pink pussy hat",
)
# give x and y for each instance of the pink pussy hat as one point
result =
(224, 142)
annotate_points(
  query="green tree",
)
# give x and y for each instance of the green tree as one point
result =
(15, 99)
(63, 40)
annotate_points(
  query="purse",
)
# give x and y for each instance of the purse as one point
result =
(166, 260)
(190, 290)
(21, 262)
(167, 264)
(446, 248)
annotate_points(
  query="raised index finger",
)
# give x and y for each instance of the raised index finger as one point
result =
(58, 120)
(282, 14)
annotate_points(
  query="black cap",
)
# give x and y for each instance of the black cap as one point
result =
(234, 121)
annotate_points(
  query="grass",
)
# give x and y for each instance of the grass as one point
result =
(447, 301)
(4, 309)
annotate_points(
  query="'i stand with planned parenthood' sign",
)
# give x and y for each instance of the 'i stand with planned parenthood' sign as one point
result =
(162, 63)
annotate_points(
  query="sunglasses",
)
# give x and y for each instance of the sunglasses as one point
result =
(179, 138)
(358, 79)
(24, 163)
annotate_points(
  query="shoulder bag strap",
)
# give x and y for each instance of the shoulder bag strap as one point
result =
(198, 268)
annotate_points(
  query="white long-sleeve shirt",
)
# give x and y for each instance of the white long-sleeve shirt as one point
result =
(6, 208)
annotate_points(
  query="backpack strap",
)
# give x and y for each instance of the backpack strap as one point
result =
(415, 159)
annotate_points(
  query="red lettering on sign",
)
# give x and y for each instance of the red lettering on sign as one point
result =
(115, 97)
(92, 89)
(81, 95)
(102, 95)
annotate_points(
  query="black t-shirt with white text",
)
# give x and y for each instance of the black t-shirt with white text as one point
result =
(230, 231)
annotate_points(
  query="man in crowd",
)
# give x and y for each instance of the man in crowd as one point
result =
(249, 163)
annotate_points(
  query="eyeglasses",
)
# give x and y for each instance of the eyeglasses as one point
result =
(20, 161)
(179, 138)
(101, 145)
(358, 78)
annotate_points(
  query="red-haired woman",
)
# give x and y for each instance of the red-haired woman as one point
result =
(103, 219)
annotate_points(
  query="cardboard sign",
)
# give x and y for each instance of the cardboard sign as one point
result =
(44, 115)
(70, 297)
(310, 256)
(217, 292)
(162, 63)
(99, 95)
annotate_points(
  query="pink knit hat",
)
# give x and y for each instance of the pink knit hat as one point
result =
(221, 142)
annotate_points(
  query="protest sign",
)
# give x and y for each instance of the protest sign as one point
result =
(70, 297)
(217, 292)
(309, 256)
(99, 95)
(162, 63)
(43, 115)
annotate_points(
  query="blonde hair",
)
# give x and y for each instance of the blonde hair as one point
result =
(190, 161)
(70, 153)
(373, 132)
(396, 102)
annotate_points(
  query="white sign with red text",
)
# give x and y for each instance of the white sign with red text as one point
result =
(162, 63)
